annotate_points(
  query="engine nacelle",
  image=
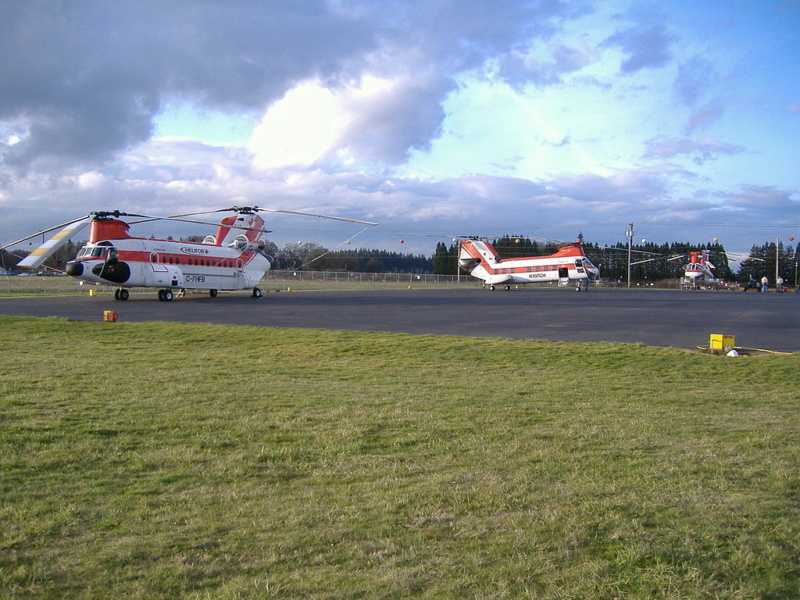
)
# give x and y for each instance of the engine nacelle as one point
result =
(468, 263)
(242, 244)
(114, 271)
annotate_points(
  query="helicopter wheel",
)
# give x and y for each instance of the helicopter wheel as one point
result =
(257, 293)
(212, 293)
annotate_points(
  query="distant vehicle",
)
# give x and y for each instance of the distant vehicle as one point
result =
(751, 284)
(567, 266)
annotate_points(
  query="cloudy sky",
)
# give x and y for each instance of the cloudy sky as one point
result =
(436, 118)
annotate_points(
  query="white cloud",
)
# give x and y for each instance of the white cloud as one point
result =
(91, 180)
(313, 123)
(299, 129)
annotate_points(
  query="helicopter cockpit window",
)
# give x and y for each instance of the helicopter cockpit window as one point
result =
(98, 250)
(92, 252)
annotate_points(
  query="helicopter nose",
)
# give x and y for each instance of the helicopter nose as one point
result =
(74, 268)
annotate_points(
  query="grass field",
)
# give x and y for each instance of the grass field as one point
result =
(164, 460)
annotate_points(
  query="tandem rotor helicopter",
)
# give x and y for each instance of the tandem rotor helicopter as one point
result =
(698, 272)
(233, 259)
(566, 266)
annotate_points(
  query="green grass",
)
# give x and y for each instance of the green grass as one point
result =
(163, 460)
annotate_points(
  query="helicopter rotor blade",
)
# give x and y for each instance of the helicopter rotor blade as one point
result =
(741, 256)
(307, 214)
(43, 252)
(639, 262)
(180, 219)
(43, 231)
(666, 258)
(255, 209)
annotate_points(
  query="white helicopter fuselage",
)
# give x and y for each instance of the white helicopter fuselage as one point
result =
(568, 265)
(233, 259)
(113, 257)
(137, 262)
(699, 271)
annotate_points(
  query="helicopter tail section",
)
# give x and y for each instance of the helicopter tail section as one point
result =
(246, 226)
(474, 252)
(477, 258)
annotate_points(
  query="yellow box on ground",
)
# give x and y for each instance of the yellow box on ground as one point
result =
(718, 341)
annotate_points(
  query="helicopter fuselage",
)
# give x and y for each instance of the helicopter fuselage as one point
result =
(567, 266)
(233, 259)
(136, 262)
(113, 257)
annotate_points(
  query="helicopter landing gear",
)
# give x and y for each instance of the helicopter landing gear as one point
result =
(257, 293)
(165, 295)
(121, 294)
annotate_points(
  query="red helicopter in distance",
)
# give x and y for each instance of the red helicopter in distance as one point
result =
(232, 259)
(698, 273)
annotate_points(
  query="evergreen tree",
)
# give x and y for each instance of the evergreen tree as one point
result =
(764, 260)
(441, 259)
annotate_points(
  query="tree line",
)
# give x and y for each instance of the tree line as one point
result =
(313, 257)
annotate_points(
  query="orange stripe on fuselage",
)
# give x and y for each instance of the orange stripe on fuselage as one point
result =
(209, 259)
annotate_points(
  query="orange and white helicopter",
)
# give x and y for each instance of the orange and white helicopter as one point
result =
(699, 272)
(233, 259)
(696, 274)
(567, 266)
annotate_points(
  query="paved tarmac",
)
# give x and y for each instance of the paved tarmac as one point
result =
(651, 317)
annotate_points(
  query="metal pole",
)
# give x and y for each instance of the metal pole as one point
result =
(777, 265)
(458, 253)
(629, 233)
